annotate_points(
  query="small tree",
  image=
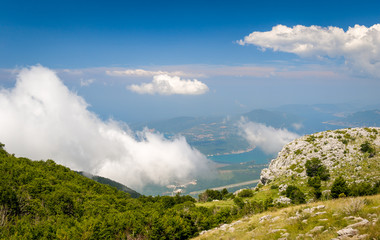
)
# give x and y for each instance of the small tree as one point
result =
(210, 195)
(224, 192)
(315, 183)
(339, 186)
(239, 202)
(295, 194)
(245, 193)
(314, 167)
(366, 147)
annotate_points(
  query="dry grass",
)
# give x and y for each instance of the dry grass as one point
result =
(297, 221)
(354, 206)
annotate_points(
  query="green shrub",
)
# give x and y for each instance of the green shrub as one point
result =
(298, 152)
(239, 202)
(314, 167)
(342, 195)
(314, 182)
(366, 147)
(339, 186)
(274, 186)
(268, 203)
(310, 139)
(295, 194)
(245, 193)
(210, 195)
(361, 189)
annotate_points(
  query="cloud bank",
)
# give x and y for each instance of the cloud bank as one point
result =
(269, 139)
(41, 118)
(168, 85)
(359, 46)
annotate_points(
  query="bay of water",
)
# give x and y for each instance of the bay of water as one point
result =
(256, 155)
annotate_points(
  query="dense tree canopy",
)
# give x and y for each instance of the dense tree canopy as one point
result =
(41, 199)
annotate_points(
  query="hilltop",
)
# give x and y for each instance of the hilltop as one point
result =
(345, 152)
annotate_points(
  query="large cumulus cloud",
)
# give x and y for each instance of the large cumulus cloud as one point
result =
(41, 118)
(359, 46)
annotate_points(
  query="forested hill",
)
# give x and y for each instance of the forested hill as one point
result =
(44, 200)
(111, 183)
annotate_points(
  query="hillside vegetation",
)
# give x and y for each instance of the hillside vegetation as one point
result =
(339, 165)
(344, 218)
(111, 183)
(44, 200)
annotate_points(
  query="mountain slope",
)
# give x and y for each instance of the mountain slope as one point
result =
(340, 151)
(112, 183)
(357, 119)
(345, 218)
(346, 163)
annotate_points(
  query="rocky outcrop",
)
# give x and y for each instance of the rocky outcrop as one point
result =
(339, 149)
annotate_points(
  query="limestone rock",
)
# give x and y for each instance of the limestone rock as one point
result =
(283, 200)
(263, 218)
(348, 232)
(328, 146)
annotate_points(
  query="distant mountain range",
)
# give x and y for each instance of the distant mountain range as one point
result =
(221, 135)
(369, 118)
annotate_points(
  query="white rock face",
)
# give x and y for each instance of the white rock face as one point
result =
(347, 232)
(264, 218)
(283, 200)
(334, 148)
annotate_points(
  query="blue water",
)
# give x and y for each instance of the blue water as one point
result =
(256, 155)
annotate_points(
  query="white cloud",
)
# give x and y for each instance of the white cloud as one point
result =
(195, 70)
(297, 126)
(359, 45)
(269, 139)
(41, 118)
(142, 73)
(86, 82)
(168, 85)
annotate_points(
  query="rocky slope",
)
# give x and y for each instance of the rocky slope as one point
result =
(340, 151)
(351, 153)
(344, 218)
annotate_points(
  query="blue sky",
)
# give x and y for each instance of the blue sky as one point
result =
(82, 40)
(77, 34)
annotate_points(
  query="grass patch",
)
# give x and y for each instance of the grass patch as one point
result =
(297, 221)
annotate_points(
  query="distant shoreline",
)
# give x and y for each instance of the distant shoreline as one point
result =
(233, 152)
(227, 186)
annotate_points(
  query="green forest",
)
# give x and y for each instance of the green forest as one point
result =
(45, 200)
